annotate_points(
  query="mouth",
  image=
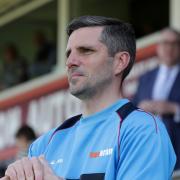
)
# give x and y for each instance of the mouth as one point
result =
(75, 75)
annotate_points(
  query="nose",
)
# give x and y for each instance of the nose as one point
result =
(72, 60)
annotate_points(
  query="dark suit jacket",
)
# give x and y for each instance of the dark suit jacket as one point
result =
(144, 92)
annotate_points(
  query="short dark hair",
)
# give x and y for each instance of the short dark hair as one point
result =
(116, 35)
(27, 132)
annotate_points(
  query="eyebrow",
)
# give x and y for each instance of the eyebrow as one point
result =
(84, 47)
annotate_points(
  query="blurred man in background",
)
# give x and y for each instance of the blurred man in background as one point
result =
(45, 56)
(159, 89)
(24, 137)
(14, 67)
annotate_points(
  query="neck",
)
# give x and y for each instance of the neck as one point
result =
(101, 100)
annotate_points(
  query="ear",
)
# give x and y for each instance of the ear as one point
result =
(121, 61)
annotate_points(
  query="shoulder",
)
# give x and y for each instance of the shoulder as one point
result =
(149, 73)
(39, 146)
(69, 122)
(142, 130)
(141, 123)
(145, 146)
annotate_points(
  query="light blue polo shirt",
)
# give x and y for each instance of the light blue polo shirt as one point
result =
(101, 147)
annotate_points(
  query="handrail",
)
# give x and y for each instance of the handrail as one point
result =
(21, 11)
(7, 5)
(44, 89)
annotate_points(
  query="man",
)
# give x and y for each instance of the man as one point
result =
(159, 89)
(14, 67)
(24, 137)
(111, 139)
(45, 56)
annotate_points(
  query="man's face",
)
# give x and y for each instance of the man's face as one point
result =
(22, 143)
(88, 63)
(168, 49)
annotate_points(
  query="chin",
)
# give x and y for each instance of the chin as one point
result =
(77, 95)
(75, 91)
(80, 94)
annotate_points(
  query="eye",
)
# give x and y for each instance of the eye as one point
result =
(84, 50)
(68, 53)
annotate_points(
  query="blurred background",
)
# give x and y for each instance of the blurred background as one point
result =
(33, 83)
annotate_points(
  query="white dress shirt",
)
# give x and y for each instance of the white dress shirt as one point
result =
(163, 84)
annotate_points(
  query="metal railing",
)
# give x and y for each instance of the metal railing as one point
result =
(18, 8)
(7, 5)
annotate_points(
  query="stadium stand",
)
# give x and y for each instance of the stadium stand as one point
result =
(24, 102)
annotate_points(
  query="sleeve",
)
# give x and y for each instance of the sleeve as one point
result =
(145, 153)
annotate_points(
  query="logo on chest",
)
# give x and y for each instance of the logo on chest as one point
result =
(59, 161)
(101, 153)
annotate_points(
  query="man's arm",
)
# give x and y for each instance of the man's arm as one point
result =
(162, 108)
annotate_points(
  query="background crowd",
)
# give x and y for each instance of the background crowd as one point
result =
(16, 69)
